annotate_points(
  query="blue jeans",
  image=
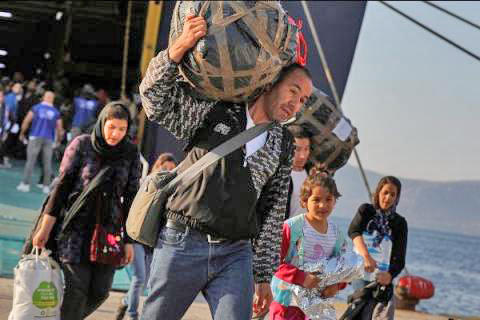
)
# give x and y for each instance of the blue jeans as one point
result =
(184, 264)
(140, 271)
(34, 147)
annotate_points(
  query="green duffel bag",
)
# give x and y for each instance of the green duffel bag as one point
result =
(147, 213)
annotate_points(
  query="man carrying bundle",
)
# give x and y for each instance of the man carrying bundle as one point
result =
(206, 244)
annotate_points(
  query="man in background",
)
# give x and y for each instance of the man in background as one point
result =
(299, 172)
(12, 99)
(4, 163)
(29, 99)
(46, 129)
(11, 126)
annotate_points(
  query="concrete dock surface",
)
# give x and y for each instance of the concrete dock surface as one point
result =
(198, 311)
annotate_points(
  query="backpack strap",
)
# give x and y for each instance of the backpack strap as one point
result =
(296, 232)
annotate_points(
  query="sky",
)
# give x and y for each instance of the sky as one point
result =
(412, 96)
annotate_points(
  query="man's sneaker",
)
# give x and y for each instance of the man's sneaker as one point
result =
(23, 187)
(121, 311)
(46, 189)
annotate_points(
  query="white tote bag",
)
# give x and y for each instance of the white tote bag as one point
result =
(37, 288)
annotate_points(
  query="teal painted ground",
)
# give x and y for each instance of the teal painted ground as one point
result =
(9, 179)
(18, 210)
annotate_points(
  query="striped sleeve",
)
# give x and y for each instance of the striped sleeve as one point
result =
(272, 206)
(167, 101)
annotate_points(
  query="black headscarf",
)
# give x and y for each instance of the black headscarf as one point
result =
(381, 219)
(125, 149)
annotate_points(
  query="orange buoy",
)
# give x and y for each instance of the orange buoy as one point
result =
(416, 287)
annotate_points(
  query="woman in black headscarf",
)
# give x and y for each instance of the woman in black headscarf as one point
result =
(379, 235)
(103, 170)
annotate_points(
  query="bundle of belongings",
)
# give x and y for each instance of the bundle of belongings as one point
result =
(246, 46)
(333, 136)
(372, 293)
(344, 268)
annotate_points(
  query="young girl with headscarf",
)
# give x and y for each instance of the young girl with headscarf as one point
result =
(379, 235)
(87, 283)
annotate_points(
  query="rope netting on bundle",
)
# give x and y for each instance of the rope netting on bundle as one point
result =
(246, 46)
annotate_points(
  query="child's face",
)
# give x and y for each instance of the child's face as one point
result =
(320, 203)
(387, 196)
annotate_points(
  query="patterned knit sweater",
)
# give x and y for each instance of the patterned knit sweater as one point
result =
(172, 104)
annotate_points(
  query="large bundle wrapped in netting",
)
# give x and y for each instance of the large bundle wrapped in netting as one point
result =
(333, 136)
(246, 45)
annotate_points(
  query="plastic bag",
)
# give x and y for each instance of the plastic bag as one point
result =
(333, 136)
(246, 45)
(37, 288)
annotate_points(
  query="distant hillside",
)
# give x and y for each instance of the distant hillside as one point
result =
(447, 206)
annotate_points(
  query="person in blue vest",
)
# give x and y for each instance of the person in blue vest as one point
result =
(307, 238)
(4, 162)
(3, 111)
(85, 110)
(12, 99)
(10, 141)
(46, 130)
